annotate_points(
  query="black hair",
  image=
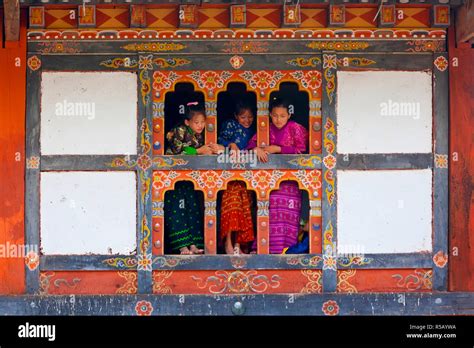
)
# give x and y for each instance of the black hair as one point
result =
(278, 102)
(192, 109)
(241, 106)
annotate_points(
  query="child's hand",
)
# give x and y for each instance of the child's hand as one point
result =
(262, 155)
(216, 148)
(204, 150)
(233, 147)
(273, 149)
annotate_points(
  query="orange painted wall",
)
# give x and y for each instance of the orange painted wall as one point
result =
(12, 151)
(461, 178)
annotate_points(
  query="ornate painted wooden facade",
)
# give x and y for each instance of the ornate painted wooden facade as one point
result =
(262, 47)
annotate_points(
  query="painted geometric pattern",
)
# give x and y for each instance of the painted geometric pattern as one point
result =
(360, 17)
(263, 17)
(313, 18)
(267, 17)
(113, 18)
(414, 17)
(214, 18)
(162, 17)
(60, 19)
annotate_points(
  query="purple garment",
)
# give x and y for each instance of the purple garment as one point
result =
(292, 138)
(285, 203)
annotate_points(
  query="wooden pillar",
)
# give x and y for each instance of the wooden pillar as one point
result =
(461, 166)
(263, 123)
(12, 156)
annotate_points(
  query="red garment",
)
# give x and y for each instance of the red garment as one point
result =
(236, 213)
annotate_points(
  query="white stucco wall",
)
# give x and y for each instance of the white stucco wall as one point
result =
(87, 113)
(384, 211)
(88, 212)
(384, 112)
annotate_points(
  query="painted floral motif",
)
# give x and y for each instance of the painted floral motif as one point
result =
(121, 262)
(329, 190)
(145, 62)
(33, 162)
(161, 180)
(329, 61)
(122, 162)
(312, 161)
(144, 308)
(262, 179)
(163, 81)
(338, 45)
(343, 284)
(418, 280)
(145, 86)
(329, 162)
(116, 63)
(329, 262)
(237, 282)
(328, 245)
(441, 63)
(245, 47)
(154, 47)
(145, 262)
(440, 259)
(130, 285)
(330, 84)
(144, 162)
(262, 80)
(58, 47)
(305, 260)
(311, 79)
(301, 62)
(159, 282)
(34, 63)
(353, 260)
(424, 46)
(237, 61)
(210, 179)
(441, 161)
(238, 262)
(171, 261)
(171, 62)
(309, 178)
(32, 260)
(354, 61)
(315, 281)
(210, 80)
(330, 308)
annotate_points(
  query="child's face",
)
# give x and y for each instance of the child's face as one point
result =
(280, 116)
(196, 123)
(245, 118)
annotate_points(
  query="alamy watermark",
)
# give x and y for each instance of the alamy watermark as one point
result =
(11, 250)
(67, 108)
(238, 157)
(405, 109)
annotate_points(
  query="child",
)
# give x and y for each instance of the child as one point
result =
(286, 137)
(183, 216)
(236, 216)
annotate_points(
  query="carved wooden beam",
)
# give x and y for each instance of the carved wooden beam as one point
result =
(12, 19)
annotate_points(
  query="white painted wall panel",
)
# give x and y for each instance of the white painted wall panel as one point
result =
(384, 112)
(88, 113)
(384, 211)
(88, 212)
